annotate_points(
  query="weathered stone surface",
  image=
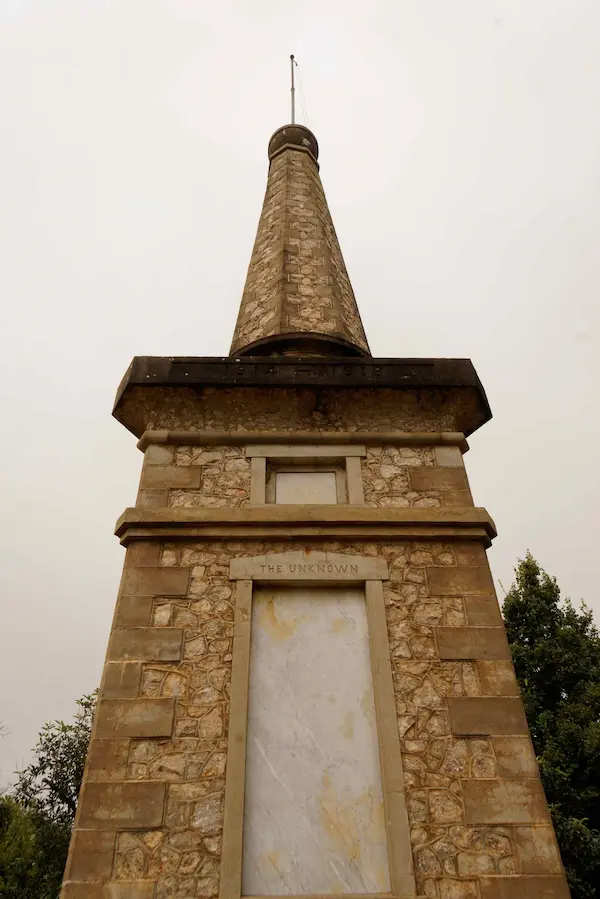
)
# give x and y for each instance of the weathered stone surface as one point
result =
(107, 759)
(505, 802)
(524, 888)
(132, 890)
(154, 581)
(121, 680)
(152, 498)
(146, 644)
(515, 756)
(171, 476)
(122, 805)
(459, 581)
(437, 764)
(497, 678)
(133, 611)
(225, 478)
(159, 454)
(537, 850)
(438, 479)
(385, 477)
(483, 611)
(487, 716)
(471, 555)
(297, 280)
(142, 552)
(135, 717)
(449, 456)
(92, 855)
(472, 643)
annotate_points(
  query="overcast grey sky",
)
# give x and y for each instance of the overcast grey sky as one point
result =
(460, 153)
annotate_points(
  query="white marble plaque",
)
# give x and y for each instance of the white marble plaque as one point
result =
(305, 487)
(313, 816)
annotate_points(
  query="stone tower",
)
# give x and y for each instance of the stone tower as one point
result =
(308, 689)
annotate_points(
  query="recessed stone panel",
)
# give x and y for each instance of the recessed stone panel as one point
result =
(314, 817)
(505, 802)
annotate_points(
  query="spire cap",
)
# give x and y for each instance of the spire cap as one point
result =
(297, 136)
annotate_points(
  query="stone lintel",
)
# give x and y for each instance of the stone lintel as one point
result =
(450, 439)
(486, 716)
(274, 520)
(313, 566)
(122, 806)
(304, 450)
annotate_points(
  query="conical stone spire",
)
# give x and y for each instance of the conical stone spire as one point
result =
(298, 297)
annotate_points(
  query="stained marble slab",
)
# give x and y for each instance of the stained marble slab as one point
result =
(313, 816)
(306, 487)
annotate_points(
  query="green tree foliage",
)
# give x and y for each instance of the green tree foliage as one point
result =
(556, 651)
(37, 818)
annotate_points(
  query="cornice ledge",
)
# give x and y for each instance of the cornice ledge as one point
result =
(280, 521)
(219, 438)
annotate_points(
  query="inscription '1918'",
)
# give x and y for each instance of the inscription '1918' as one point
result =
(315, 568)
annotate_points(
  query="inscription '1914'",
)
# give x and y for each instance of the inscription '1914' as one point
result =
(315, 568)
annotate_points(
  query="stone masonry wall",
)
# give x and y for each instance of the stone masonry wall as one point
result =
(219, 476)
(150, 816)
(299, 409)
(296, 280)
(200, 476)
(419, 477)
